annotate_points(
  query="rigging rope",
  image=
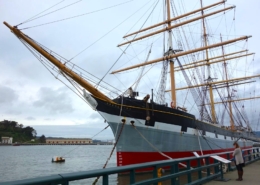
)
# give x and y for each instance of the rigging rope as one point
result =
(202, 95)
(118, 137)
(127, 45)
(151, 143)
(81, 145)
(100, 132)
(194, 91)
(33, 51)
(50, 12)
(39, 58)
(142, 70)
(258, 122)
(146, 139)
(39, 14)
(54, 68)
(123, 124)
(210, 142)
(76, 16)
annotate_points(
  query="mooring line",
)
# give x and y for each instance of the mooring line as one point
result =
(111, 153)
(151, 144)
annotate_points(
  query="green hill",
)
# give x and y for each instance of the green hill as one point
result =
(19, 133)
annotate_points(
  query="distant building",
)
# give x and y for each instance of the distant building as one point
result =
(96, 141)
(68, 141)
(99, 142)
(7, 140)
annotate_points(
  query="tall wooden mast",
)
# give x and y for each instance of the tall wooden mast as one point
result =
(172, 76)
(208, 67)
(228, 90)
(181, 54)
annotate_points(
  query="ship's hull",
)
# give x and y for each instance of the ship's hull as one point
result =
(168, 134)
(139, 144)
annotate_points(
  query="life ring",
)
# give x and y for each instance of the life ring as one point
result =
(172, 105)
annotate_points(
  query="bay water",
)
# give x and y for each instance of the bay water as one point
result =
(23, 162)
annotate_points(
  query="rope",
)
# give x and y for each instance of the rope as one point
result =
(151, 144)
(32, 18)
(51, 72)
(123, 124)
(52, 67)
(96, 180)
(50, 12)
(100, 131)
(91, 138)
(156, 148)
(126, 46)
(199, 142)
(200, 146)
(74, 16)
(26, 45)
(208, 141)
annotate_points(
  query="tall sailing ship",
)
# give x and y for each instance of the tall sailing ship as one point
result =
(150, 128)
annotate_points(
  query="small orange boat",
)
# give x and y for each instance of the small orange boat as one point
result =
(58, 159)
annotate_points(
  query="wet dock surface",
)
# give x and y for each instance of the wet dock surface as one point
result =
(251, 176)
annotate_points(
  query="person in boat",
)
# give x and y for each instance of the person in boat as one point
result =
(239, 161)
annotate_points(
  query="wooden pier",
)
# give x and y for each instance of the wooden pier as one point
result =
(251, 176)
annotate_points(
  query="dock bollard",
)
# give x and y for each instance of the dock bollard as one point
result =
(159, 174)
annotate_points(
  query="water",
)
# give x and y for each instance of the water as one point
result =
(23, 162)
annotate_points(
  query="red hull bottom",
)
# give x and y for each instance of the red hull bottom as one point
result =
(127, 158)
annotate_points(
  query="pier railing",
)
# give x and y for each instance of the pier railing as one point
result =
(204, 166)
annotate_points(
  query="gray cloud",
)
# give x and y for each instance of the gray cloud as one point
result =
(7, 95)
(30, 118)
(13, 112)
(55, 101)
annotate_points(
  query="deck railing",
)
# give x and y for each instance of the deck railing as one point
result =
(205, 167)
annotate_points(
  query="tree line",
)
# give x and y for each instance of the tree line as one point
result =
(15, 128)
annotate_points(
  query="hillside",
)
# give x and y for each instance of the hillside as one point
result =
(17, 131)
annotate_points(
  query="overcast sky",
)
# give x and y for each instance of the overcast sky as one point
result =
(30, 95)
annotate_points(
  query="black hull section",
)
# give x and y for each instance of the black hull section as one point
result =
(138, 109)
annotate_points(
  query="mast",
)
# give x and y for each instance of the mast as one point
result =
(172, 75)
(235, 100)
(173, 26)
(234, 80)
(95, 92)
(229, 98)
(179, 54)
(208, 67)
(175, 18)
(201, 63)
